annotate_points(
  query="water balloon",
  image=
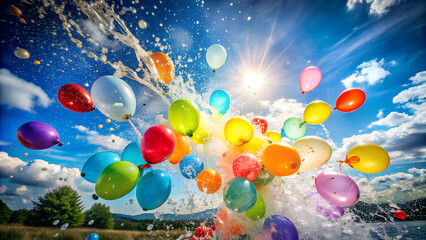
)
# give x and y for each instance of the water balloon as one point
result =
(142, 24)
(216, 56)
(263, 178)
(281, 159)
(15, 11)
(314, 152)
(258, 210)
(191, 166)
(278, 227)
(400, 214)
(316, 112)
(350, 100)
(96, 164)
(22, 53)
(239, 195)
(164, 65)
(238, 131)
(132, 153)
(203, 134)
(153, 189)
(184, 117)
(203, 232)
(260, 124)
(246, 166)
(182, 148)
(157, 144)
(209, 181)
(75, 98)
(93, 236)
(220, 100)
(37, 135)
(310, 79)
(274, 136)
(337, 188)
(367, 158)
(294, 128)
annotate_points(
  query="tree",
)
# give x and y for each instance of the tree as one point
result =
(101, 216)
(4, 212)
(19, 216)
(63, 204)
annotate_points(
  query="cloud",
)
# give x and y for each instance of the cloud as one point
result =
(112, 141)
(18, 93)
(380, 113)
(99, 39)
(377, 7)
(371, 72)
(413, 93)
(3, 189)
(391, 120)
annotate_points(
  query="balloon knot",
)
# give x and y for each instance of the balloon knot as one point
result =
(349, 161)
(214, 71)
(334, 108)
(93, 109)
(303, 92)
(146, 166)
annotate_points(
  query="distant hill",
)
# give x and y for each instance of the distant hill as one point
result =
(207, 214)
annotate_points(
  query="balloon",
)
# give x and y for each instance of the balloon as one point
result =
(142, 24)
(350, 100)
(203, 232)
(255, 146)
(316, 112)
(37, 135)
(278, 227)
(117, 180)
(239, 194)
(260, 124)
(314, 152)
(258, 210)
(96, 164)
(220, 100)
(181, 149)
(327, 209)
(226, 226)
(157, 144)
(400, 214)
(114, 98)
(164, 65)
(184, 117)
(92, 236)
(238, 131)
(21, 53)
(13, 10)
(246, 166)
(209, 181)
(263, 178)
(153, 189)
(75, 98)
(216, 56)
(337, 188)
(274, 136)
(132, 153)
(367, 158)
(203, 133)
(191, 166)
(281, 159)
(295, 128)
(309, 79)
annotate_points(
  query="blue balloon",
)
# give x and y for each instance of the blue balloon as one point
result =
(220, 100)
(96, 164)
(153, 189)
(239, 194)
(278, 227)
(92, 236)
(191, 166)
(282, 132)
(114, 98)
(132, 153)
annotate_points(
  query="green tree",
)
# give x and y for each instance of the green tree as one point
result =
(101, 216)
(4, 212)
(19, 216)
(63, 204)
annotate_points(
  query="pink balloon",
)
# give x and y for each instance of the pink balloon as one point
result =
(337, 188)
(309, 79)
(246, 166)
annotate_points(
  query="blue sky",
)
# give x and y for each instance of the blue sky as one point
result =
(377, 46)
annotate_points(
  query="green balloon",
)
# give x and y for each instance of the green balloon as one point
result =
(184, 117)
(117, 180)
(258, 210)
(263, 178)
(295, 128)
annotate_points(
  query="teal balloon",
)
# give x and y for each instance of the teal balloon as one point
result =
(239, 194)
(96, 164)
(132, 153)
(220, 100)
(153, 189)
(114, 98)
(117, 180)
(216, 56)
(295, 128)
(263, 178)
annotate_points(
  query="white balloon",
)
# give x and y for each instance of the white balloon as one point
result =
(216, 56)
(314, 152)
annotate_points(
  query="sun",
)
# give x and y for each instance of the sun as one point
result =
(254, 80)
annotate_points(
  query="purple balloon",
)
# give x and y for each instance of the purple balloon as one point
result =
(329, 210)
(37, 135)
(277, 227)
(337, 188)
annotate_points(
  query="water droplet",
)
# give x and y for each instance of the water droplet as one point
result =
(55, 222)
(150, 227)
(65, 226)
(91, 222)
(55, 234)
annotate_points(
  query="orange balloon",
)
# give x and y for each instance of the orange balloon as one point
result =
(350, 100)
(37, 62)
(281, 159)
(227, 228)
(13, 10)
(164, 65)
(209, 180)
(181, 149)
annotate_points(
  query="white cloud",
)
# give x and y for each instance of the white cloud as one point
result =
(18, 93)
(392, 119)
(110, 142)
(3, 189)
(371, 72)
(377, 7)
(417, 171)
(420, 77)
(413, 93)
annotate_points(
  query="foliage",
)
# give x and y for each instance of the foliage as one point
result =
(19, 216)
(101, 215)
(4, 212)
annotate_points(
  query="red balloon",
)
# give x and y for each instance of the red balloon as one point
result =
(260, 124)
(246, 166)
(350, 100)
(400, 214)
(203, 232)
(75, 98)
(157, 144)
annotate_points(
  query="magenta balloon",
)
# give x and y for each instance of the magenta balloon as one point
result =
(337, 188)
(326, 208)
(37, 135)
(309, 79)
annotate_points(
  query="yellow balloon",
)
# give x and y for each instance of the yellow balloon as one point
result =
(314, 152)
(274, 136)
(203, 134)
(238, 131)
(316, 112)
(256, 146)
(372, 158)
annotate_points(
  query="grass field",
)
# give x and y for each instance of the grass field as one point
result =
(15, 232)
